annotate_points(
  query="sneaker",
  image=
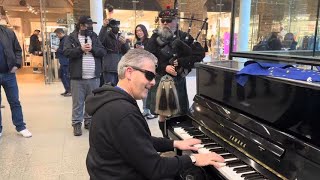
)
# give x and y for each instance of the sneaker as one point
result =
(62, 94)
(25, 133)
(0, 134)
(151, 116)
(67, 94)
(77, 129)
(146, 112)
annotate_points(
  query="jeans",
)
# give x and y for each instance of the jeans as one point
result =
(9, 83)
(65, 78)
(110, 77)
(80, 90)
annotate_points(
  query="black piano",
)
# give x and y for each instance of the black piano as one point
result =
(267, 129)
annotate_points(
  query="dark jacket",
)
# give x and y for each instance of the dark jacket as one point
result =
(72, 50)
(63, 60)
(121, 145)
(34, 44)
(11, 48)
(115, 50)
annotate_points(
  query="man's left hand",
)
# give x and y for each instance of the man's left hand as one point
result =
(14, 69)
(187, 144)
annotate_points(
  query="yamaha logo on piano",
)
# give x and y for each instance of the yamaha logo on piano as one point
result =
(237, 141)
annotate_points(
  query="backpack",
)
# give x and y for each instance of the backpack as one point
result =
(262, 46)
(167, 102)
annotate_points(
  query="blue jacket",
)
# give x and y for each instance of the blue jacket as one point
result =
(63, 60)
(275, 70)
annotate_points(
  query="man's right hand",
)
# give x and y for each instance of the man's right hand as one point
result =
(171, 70)
(86, 48)
(209, 159)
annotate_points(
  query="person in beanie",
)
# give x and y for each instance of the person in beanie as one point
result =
(176, 53)
(121, 145)
(85, 52)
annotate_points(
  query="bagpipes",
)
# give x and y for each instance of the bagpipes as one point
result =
(182, 49)
(167, 99)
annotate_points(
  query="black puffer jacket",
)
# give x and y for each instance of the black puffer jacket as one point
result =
(72, 50)
(12, 49)
(121, 145)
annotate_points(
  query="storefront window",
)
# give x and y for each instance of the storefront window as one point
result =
(281, 28)
(219, 20)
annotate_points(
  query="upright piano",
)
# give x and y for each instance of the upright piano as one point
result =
(267, 129)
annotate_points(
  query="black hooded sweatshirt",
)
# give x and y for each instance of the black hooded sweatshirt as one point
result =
(121, 145)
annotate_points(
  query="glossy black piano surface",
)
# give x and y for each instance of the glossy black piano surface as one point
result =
(272, 124)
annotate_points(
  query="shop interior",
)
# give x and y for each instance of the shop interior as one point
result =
(24, 16)
(293, 22)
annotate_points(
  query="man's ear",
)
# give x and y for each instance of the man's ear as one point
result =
(129, 71)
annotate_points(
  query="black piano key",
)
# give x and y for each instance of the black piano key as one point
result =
(258, 177)
(189, 128)
(243, 169)
(206, 141)
(199, 136)
(209, 144)
(192, 130)
(253, 174)
(212, 146)
(196, 133)
(228, 156)
(219, 151)
(235, 163)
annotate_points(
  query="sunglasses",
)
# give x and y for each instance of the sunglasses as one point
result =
(166, 20)
(148, 74)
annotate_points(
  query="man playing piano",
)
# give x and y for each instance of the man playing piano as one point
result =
(121, 145)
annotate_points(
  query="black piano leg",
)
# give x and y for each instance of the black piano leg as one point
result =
(162, 126)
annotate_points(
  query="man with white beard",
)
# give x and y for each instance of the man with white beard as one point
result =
(176, 54)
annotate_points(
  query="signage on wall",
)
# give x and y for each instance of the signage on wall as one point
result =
(54, 42)
(226, 42)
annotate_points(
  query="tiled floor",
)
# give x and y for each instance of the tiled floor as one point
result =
(53, 152)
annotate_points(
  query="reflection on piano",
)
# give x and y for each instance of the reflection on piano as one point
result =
(267, 129)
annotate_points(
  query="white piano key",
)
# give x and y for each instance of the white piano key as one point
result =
(203, 151)
(185, 136)
(199, 145)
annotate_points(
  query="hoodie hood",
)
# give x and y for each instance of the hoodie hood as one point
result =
(106, 94)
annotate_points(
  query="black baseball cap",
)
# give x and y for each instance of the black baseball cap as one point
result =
(86, 20)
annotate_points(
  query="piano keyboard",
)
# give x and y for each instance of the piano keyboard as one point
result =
(234, 168)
